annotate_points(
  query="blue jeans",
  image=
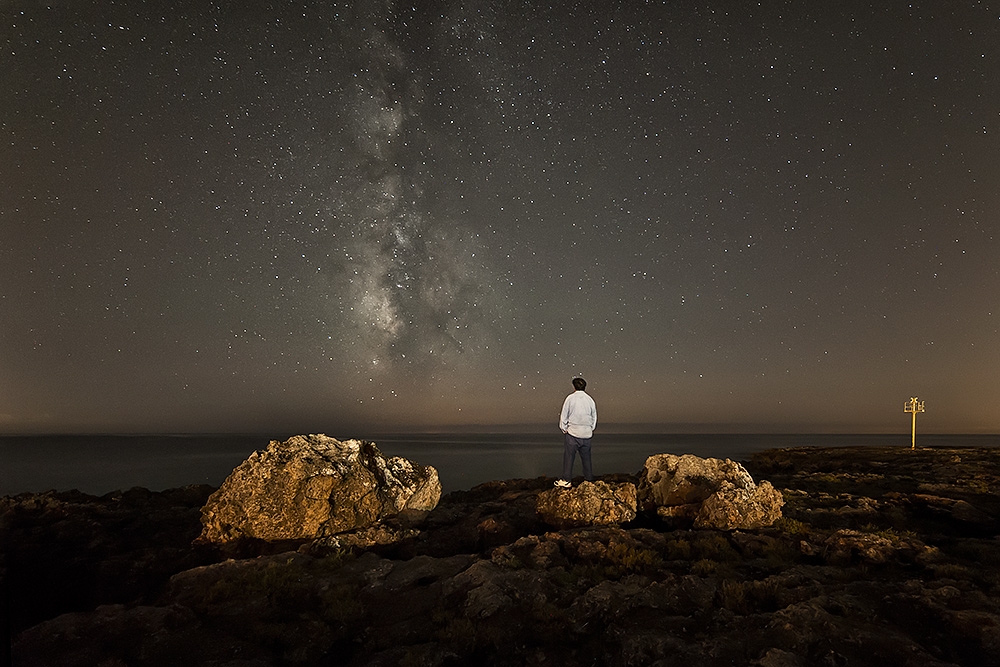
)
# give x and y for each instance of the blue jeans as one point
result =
(571, 446)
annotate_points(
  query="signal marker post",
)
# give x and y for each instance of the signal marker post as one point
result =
(913, 406)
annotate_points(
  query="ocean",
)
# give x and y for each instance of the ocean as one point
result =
(99, 464)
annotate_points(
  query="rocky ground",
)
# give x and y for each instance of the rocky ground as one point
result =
(883, 556)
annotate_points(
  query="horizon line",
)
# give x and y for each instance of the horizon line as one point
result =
(534, 428)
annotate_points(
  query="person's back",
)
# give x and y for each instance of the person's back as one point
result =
(579, 415)
(577, 421)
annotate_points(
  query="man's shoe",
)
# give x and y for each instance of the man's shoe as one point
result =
(562, 484)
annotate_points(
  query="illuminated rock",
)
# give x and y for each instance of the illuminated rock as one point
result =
(732, 508)
(706, 493)
(589, 504)
(313, 486)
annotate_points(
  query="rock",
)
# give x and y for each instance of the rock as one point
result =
(315, 486)
(485, 581)
(667, 479)
(775, 657)
(359, 540)
(960, 510)
(681, 515)
(69, 551)
(84, 638)
(731, 508)
(708, 493)
(589, 504)
(484, 517)
(847, 546)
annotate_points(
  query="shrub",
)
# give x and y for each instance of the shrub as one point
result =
(704, 567)
(732, 596)
(747, 597)
(277, 583)
(617, 560)
(677, 549)
(779, 555)
(626, 559)
(791, 526)
(891, 534)
(978, 486)
(714, 546)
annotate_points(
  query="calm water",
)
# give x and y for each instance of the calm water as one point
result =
(99, 464)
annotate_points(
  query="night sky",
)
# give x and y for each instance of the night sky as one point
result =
(375, 216)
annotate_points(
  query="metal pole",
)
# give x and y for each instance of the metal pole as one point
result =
(913, 406)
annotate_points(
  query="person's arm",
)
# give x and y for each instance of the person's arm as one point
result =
(593, 415)
(564, 416)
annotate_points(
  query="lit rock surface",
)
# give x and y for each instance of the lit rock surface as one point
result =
(732, 508)
(315, 486)
(589, 504)
(709, 493)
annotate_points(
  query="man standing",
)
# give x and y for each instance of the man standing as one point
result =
(577, 422)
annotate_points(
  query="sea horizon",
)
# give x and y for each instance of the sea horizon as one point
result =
(99, 463)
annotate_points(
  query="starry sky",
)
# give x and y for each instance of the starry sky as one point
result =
(342, 217)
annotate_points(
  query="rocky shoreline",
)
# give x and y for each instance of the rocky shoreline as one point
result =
(882, 556)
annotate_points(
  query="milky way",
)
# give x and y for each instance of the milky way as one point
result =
(350, 217)
(413, 281)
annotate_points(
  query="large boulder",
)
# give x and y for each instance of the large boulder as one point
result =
(732, 508)
(706, 493)
(313, 486)
(589, 504)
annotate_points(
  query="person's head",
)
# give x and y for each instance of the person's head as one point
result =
(579, 384)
